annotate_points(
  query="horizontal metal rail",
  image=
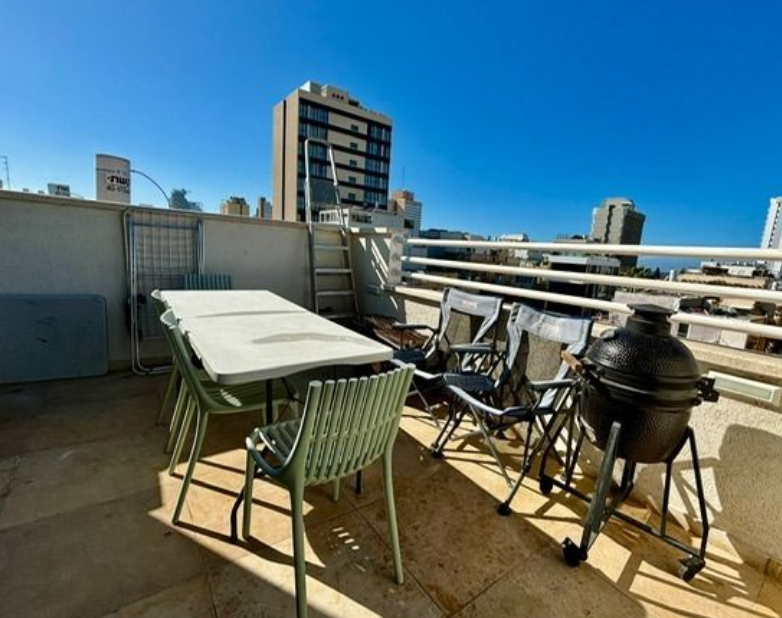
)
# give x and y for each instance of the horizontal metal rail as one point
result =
(733, 253)
(760, 330)
(612, 280)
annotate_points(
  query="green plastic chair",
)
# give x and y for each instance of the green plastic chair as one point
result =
(346, 426)
(173, 379)
(201, 398)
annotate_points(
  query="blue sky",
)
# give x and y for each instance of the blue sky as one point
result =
(508, 117)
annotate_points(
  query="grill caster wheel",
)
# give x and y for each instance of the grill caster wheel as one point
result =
(503, 509)
(573, 553)
(437, 454)
(690, 567)
(546, 484)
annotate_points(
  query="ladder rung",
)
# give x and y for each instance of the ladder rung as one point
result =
(331, 247)
(333, 271)
(334, 292)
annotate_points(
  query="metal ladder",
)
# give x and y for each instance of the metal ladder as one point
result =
(331, 271)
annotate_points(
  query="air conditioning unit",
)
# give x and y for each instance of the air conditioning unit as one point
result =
(733, 385)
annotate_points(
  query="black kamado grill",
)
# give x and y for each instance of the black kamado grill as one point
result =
(638, 385)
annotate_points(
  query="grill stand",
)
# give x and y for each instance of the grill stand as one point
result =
(600, 510)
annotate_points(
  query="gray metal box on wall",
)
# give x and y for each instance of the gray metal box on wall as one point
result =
(50, 336)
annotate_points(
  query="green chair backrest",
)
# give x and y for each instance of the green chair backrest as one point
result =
(348, 424)
(160, 305)
(181, 352)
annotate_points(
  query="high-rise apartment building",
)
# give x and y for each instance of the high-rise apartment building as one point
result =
(360, 138)
(772, 233)
(617, 222)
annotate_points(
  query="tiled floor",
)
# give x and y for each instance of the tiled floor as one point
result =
(85, 505)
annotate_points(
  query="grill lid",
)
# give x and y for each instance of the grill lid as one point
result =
(644, 352)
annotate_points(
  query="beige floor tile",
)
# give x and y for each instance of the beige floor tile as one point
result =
(94, 560)
(726, 587)
(543, 586)
(78, 423)
(769, 601)
(452, 540)
(22, 400)
(412, 464)
(114, 387)
(192, 599)
(211, 497)
(58, 480)
(349, 573)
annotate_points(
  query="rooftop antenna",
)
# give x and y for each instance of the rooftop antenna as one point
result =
(7, 173)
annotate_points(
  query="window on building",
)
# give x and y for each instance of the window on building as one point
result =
(354, 145)
(352, 179)
(352, 196)
(353, 163)
(354, 127)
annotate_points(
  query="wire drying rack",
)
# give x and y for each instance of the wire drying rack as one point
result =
(162, 247)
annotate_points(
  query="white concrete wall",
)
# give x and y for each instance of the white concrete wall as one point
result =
(67, 246)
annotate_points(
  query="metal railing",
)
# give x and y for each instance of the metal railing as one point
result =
(616, 281)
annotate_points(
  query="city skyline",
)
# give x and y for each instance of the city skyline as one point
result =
(539, 110)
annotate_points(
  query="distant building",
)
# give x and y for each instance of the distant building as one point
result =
(589, 264)
(180, 202)
(361, 140)
(264, 210)
(404, 204)
(236, 206)
(772, 233)
(617, 222)
(403, 211)
(356, 216)
(520, 256)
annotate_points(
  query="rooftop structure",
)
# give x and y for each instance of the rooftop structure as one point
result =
(361, 139)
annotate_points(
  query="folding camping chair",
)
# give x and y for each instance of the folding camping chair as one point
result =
(532, 384)
(442, 350)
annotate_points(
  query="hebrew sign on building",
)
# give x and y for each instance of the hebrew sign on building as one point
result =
(112, 179)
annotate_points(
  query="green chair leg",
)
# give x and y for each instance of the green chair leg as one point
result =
(181, 435)
(248, 496)
(201, 422)
(388, 487)
(173, 380)
(182, 401)
(299, 558)
(335, 490)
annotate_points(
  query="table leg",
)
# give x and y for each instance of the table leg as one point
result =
(269, 402)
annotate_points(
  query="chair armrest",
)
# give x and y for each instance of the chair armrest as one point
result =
(544, 385)
(473, 348)
(401, 326)
(264, 465)
(479, 405)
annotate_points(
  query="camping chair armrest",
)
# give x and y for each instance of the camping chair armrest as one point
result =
(544, 385)
(403, 326)
(474, 348)
(479, 405)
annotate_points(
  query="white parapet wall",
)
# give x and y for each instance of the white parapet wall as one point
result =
(56, 245)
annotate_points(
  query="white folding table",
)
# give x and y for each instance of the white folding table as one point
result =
(244, 336)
